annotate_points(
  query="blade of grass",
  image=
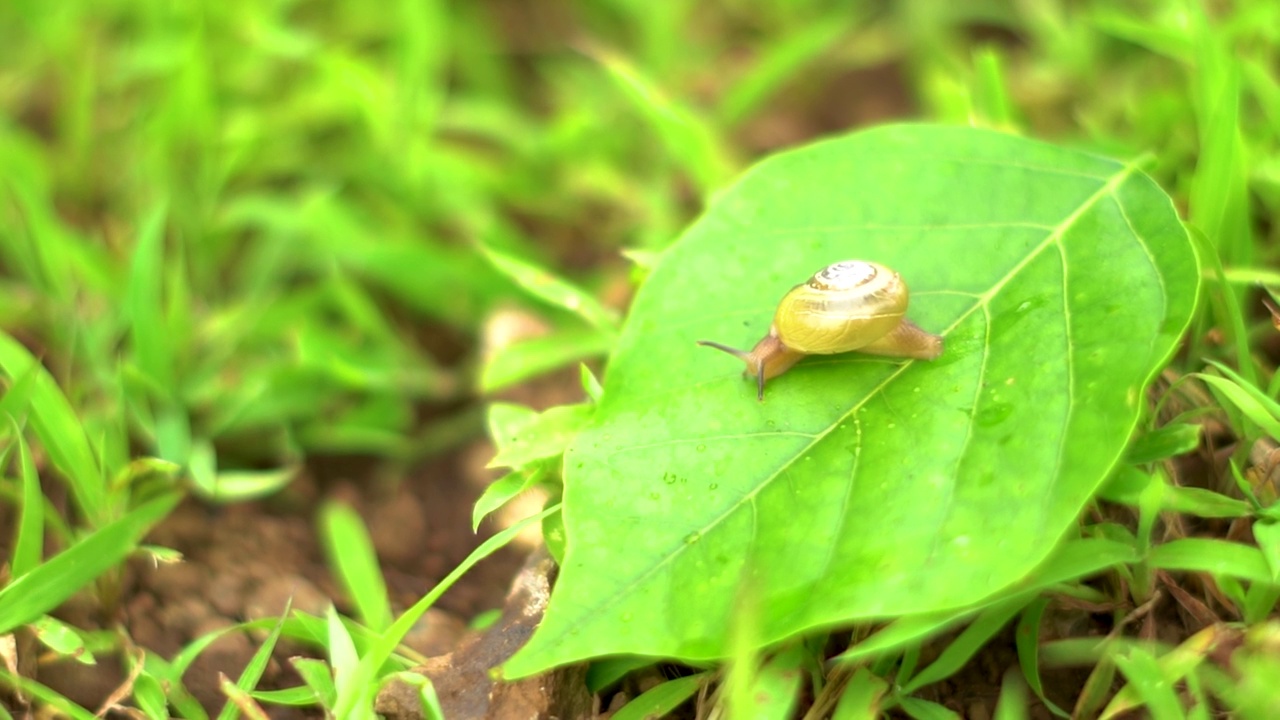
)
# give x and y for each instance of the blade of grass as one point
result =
(315, 673)
(503, 490)
(62, 639)
(779, 64)
(525, 439)
(926, 710)
(428, 702)
(1224, 303)
(525, 359)
(991, 104)
(1163, 443)
(28, 545)
(252, 672)
(58, 578)
(605, 672)
(16, 400)
(1027, 641)
(176, 694)
(963, 648)
(1217, 557)
(1261, 410)
(1152, 679)
(551, 289)
(46, 696)
(1218, 200)
(354, 684)
(660, 701)
(351, 554)
(1267, 535)
(861, 697)
(691, 142)
(144, 304)
(1150, 684)
(1012, 704)
(59, 430)
(385, 644)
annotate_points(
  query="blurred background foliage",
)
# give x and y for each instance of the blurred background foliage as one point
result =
(243, 232)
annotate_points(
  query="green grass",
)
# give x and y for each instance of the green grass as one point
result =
(237, 236)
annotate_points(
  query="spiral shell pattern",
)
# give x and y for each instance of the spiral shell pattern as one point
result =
(844, 275)
(843, 307)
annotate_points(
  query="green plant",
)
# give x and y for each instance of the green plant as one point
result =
(1014, 251)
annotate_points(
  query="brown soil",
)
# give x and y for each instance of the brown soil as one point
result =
(248, 561)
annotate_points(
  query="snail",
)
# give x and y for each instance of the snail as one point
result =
(850, 305)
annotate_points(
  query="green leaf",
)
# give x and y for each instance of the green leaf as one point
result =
(252, 672)
(608, 671)
(1246, 395)
(1163, 443)
(523, 437)
(549, 288)
(862, 697)
(661, 700)
(58, 578)
(1258, 408)
(45, 696)
(428, 702)
(1267, 535)
(866, 487)
(502, 490)
(148, 694)
(991, 103)
(688, 139)
(228, 486)
(1146, 677)
(1202, 503)
(152, 341)
(28, 543)
(525, 359)
(968, 643)
(351, 554)
(1128, 484)
(774, 690)
(1027, 641)
(926, 710)
(353, 691)
(1152, 679)
(315, 673)
(1012, 704)
(778, 63)
(1218, 557)
(370, 664)
(63, 639)
(296, 696)
(590, 383)
(59, 430)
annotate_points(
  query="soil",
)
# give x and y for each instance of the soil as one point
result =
(248, 561)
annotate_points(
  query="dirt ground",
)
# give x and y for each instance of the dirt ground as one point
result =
(247, 561)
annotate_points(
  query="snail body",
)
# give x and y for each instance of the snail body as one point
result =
(846, 306)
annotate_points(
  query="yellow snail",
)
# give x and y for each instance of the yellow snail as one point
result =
(851, 305)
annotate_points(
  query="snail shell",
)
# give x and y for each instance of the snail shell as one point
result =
(849, 305)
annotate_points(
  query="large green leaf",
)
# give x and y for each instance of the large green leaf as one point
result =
(867, 487)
